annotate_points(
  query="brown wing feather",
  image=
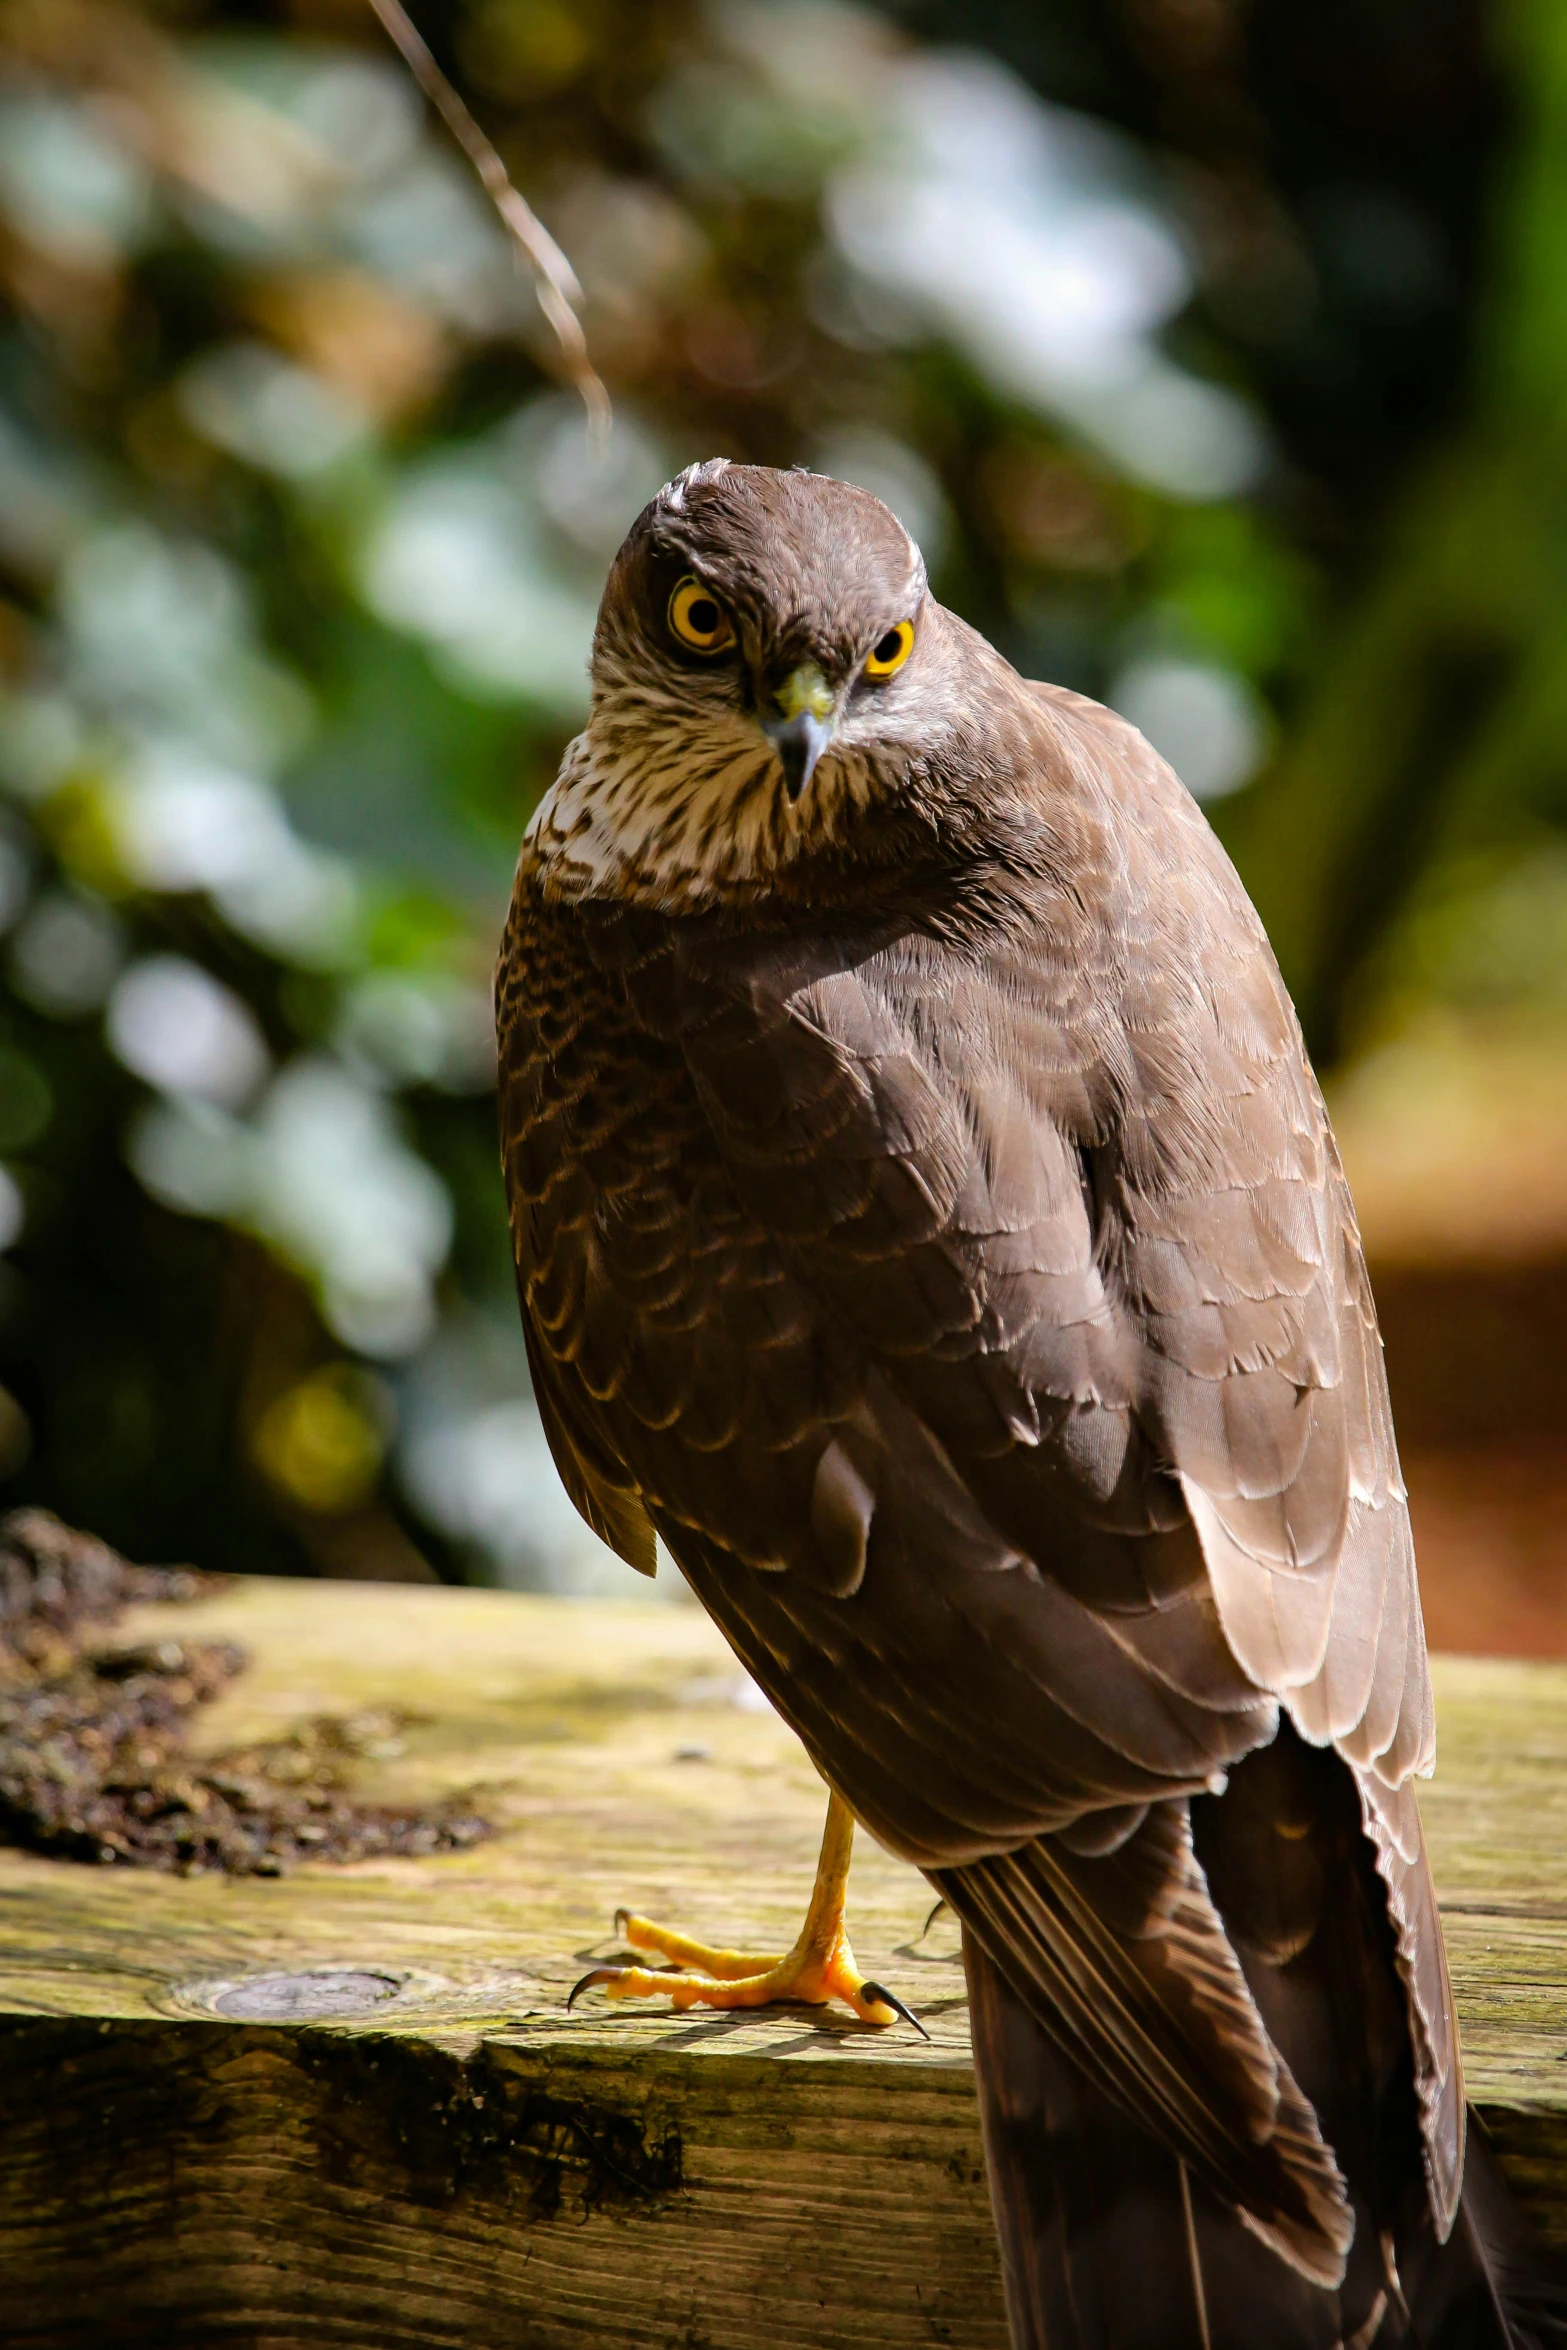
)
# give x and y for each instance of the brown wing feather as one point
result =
(600, 1495)
(977, 1314)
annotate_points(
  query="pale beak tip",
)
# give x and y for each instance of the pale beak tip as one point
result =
(799, 742)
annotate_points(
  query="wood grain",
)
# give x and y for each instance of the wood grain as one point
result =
(445, 2157)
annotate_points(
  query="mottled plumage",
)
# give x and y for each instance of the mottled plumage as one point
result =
(927, 1223)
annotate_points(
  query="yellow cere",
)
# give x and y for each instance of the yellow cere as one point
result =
(804, 691)
(697, 618)
(891, 651)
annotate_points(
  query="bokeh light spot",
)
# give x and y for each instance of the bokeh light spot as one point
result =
(321, 1442)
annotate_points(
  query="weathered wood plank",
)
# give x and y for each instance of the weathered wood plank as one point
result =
(460, 2162)
(448, 2158)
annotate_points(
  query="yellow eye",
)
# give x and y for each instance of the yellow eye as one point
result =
(891, 651)
(697, 618)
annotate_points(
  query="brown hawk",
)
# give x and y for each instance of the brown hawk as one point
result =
(928, 1227)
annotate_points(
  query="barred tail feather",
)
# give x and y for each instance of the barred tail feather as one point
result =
(1493, 2285)
(1109, 2243)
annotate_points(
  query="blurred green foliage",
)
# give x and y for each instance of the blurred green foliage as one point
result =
(1216, 356)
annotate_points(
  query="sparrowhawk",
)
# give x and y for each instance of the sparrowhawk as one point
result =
(929, 1228)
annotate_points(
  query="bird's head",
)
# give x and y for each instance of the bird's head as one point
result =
(768, 662)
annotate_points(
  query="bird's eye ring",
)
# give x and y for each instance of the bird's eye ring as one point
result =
(697, 618)
(891, 651)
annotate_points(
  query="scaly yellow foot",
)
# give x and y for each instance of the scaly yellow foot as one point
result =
(819, 1968)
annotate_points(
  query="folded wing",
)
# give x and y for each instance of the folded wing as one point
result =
(979, 1317)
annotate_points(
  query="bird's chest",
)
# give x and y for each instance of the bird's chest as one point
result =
(616, 1193)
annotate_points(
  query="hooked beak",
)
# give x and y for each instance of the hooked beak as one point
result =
(804, 726)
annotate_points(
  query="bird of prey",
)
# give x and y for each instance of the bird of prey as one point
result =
(929, 1229)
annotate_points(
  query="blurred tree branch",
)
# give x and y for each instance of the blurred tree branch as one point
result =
(1436, 726)
(560, 295)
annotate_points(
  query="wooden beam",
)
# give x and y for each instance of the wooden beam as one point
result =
(347, 2106)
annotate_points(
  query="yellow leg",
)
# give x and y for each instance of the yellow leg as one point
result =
(819, 1968)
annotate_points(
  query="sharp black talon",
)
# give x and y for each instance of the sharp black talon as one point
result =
(622, 1918)
(886, 1998)
(934, 1915)
(598, 1974)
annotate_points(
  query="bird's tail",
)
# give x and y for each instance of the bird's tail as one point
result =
(1493, 2282)
(1109, 2243)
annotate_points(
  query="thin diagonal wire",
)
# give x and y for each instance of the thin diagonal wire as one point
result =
(1199, 2297)
(554, 279)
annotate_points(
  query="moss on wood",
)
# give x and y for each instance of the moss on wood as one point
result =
(95, 1760)
(348, 2107)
